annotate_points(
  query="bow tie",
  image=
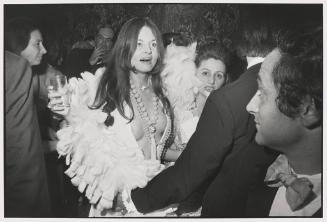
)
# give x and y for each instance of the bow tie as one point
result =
(298, 190)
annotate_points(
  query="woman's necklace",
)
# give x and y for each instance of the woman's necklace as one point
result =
(150, 122)
(150, 125)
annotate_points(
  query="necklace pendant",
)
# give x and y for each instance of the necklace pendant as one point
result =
(152, 129)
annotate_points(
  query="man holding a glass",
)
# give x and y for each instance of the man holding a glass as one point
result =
(89, 59)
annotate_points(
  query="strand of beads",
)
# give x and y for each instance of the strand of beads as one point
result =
(150, 125)
(164, 143)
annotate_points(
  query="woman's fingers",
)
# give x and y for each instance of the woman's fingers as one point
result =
(61, 110)
(56, 105)
(55, 101)
(54, 94)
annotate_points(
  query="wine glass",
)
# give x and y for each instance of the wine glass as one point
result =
(58, 84)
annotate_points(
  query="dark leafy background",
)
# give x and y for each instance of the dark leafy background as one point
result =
(72, 22)
(64, 24)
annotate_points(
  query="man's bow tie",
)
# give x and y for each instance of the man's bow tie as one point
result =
(298, 190)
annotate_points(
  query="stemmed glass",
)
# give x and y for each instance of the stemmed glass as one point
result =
(58, 86)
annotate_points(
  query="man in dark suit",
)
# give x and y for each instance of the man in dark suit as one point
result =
(224, 129)
(288, 115)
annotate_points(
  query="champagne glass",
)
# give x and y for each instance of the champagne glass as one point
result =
(58, 84)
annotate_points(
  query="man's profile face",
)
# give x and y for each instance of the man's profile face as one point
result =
(274, 129)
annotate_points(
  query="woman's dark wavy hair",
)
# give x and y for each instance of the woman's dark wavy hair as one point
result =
(114, 86)
(18, 33)
(299, 72)
(214, 51)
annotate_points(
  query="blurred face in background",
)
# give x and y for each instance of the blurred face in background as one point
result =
(212, 73)
(146, 54)
(104, 38)
(35, 49)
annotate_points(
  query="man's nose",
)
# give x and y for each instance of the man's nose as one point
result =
(43, 50)
(252, 106)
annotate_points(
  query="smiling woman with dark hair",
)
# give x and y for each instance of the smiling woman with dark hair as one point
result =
(26, 191)
(23, 38)
(211, 61)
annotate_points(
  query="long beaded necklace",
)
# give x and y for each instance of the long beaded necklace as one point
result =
(150, 124)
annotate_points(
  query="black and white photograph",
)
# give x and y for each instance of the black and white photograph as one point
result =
(163, 110)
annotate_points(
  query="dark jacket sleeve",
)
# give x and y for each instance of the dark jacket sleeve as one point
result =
(200, 160)
(26, 190)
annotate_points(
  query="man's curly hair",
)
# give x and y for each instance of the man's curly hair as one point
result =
(299, 73)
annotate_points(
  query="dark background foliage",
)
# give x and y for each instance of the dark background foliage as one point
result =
(69, 23)
(64, 24)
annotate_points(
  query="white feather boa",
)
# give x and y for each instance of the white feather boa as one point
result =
(181, 86)
(102, 160)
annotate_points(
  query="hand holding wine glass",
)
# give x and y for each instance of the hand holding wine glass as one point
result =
(59, 95)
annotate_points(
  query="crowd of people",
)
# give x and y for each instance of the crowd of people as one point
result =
(156, 127)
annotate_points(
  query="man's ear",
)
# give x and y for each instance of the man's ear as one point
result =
(310, 116)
